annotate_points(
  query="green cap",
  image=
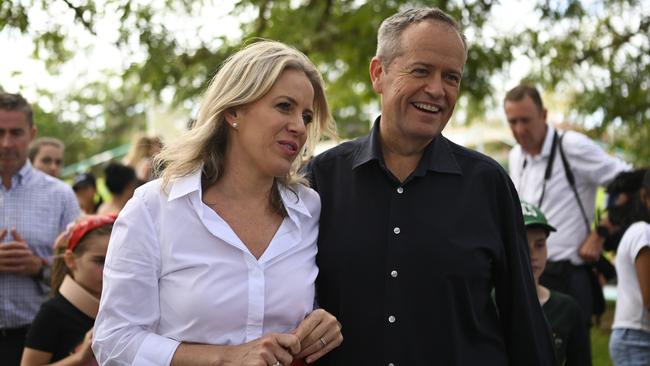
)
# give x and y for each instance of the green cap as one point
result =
(533, 216)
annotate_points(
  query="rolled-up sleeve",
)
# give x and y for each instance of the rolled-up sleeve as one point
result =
(129, 308)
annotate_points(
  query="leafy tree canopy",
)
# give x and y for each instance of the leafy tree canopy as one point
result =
(594, 53)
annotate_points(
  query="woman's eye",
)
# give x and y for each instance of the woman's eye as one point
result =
(307, 118)
(284, 106)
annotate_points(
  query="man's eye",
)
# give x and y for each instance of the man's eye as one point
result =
(453, 78)
(307, 118)
(420, 72)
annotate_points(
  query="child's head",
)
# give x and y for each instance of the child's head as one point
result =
(80, 253)
(537, 230)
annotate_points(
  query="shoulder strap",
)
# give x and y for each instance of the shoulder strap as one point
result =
(572, 182)
(549, 168)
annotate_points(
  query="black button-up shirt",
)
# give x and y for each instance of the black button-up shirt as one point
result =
(431, 271)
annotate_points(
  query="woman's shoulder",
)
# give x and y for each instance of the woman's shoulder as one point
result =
(635, 237)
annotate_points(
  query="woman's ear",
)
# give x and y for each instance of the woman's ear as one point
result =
(69, 259)
(231, 116)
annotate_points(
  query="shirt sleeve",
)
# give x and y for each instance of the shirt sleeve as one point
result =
(590, 160)
(42, 333)
(129, 309)
(526, 332)
(640, 240)
(71, 210)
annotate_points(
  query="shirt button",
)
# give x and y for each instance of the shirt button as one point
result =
(393, 274)
(391, 364)
(396, 230)
(391, 319)
(400, 190)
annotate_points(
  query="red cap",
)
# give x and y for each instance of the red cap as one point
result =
(85, 225)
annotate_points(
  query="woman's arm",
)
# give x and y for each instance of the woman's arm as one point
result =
(642, 264)
(263, 351)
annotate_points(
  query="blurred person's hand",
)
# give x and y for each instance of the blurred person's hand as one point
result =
(16, 256)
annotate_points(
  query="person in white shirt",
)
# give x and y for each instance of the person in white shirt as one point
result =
(629, 343)
(214, 263)
(542, 166)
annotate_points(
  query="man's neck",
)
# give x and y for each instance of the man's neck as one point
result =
(400, 155)
(7, 178)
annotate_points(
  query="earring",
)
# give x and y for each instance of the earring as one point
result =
(234, 125)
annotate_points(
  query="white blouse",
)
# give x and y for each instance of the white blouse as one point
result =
(176, 272)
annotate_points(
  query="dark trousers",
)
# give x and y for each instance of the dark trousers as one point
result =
(12, 342)
(575, 281)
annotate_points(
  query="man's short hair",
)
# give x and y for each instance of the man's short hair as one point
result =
(390, 31)
(522, 91)
(16, 102)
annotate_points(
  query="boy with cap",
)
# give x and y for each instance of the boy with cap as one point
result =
(569, 332)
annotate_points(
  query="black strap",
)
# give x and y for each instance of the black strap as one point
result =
(572, 182)
(549, 168)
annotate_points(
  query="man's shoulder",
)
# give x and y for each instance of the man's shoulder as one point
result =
(42, 182)
(343, 151)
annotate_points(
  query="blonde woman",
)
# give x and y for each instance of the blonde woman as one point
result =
(140, 156)
(214, 263)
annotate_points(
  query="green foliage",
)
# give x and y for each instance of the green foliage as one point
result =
(595, 52)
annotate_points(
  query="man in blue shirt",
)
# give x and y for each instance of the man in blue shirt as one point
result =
(34, 209)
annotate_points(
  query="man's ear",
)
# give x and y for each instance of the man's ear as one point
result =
(376, 74)
(32, 133)
(68, 258)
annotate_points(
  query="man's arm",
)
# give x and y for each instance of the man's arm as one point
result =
(642, 265)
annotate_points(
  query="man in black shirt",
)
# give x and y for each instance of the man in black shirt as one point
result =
(422, 251)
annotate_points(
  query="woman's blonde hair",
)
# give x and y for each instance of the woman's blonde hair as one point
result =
(140, 147)
(243, 78)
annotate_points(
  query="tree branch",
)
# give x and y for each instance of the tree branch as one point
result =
(78, 14)
(261, 19)
(618, 42)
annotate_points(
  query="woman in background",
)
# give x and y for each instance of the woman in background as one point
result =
(46, 155)
(121, 182)
(629, 344)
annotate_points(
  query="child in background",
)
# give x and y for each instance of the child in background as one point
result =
(629, 344)
(61, 333)
(570, 335)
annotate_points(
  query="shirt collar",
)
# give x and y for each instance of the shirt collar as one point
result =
(23, 174)
(437, 155)
(548, 141)
(192, 183)
(184, 185)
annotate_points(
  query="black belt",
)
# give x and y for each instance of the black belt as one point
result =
(14, 332)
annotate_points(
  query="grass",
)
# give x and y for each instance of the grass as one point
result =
(600, 338)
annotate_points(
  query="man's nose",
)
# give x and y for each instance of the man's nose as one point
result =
(434, 86)
(5, 140)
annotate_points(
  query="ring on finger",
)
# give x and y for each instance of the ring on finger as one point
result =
(277, 363)
(322, 342)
